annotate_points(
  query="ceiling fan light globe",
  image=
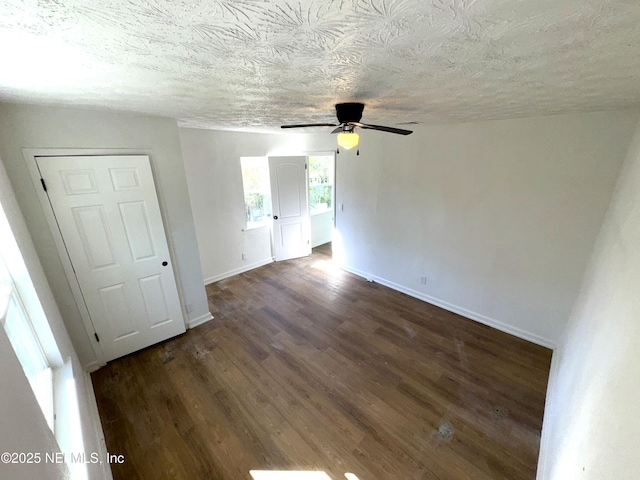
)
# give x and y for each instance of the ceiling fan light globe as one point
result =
(348, 140)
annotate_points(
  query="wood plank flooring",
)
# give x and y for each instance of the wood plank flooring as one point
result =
(307, 367)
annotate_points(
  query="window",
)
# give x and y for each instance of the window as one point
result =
(321, 181)
(22, 336)
(257, 190)
(23, 318)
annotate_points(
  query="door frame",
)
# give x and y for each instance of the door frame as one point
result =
(30, 155)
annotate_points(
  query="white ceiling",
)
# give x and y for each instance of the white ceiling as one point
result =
(254, 64)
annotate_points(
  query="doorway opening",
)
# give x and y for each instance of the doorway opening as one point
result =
(322, 199)
(274, 197)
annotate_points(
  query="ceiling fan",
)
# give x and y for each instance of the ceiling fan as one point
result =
(349, 115)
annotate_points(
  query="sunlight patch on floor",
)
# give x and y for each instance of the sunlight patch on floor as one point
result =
(327, 266)
(294, 475)
(288, 475)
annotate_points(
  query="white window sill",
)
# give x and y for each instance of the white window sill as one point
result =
(320, 212)
(36, 367)
(68, 425)
(255, 226)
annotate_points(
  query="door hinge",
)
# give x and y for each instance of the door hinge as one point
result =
(44, 185)
(97, 337)
(305, 166)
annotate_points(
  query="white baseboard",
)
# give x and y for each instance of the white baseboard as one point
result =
(237, 271)
(545, 456)
(92, 366)
(531, 337)
(199, 320)
(92, 404)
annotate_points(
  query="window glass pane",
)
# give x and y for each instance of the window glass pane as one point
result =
(257, 190)
(320, 198)
(23, 340)
(30, 355)
(25, 343)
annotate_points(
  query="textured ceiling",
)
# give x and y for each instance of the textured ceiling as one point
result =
(253, 64)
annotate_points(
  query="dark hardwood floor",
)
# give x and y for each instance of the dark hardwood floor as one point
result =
(307, 367)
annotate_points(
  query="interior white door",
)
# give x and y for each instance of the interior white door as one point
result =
(108, 214)
(290, 207)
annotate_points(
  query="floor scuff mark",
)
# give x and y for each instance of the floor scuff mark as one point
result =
(411, 333)
(200, 352)
(445, 432)
(167, 356)
(464, 360)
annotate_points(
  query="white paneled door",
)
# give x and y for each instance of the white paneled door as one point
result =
(290, 206)
(108, 214)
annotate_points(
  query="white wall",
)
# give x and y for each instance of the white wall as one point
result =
(24, 126)
(321, 228)
(23, 427)
(592, 423)
(501, 216)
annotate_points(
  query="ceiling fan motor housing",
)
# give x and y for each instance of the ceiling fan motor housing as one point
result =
(349, 112)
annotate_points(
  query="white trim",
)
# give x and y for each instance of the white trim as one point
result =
(29, 155)
(531, 337)
(92, 404)
(266, 224)
(199, 320)
(30, 159)
(320, 153)
(237, 271)
(93, 366)
(256, 226)
(549, 413)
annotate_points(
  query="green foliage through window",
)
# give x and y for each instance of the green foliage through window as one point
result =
(320, 184)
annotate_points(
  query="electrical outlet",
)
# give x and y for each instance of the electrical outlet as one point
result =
(189, 307)
(423, 280)
(244, 256)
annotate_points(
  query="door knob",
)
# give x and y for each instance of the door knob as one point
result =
(275, 217)
(164, 264)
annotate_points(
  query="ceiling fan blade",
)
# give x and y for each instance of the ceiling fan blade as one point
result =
(310, 125)
(382, 128)
(337, 130)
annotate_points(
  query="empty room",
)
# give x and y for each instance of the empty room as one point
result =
(350, 239)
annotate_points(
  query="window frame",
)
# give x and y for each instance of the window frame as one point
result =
(331, 183)
(29, 284)
(262, 163)
(42, 382)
